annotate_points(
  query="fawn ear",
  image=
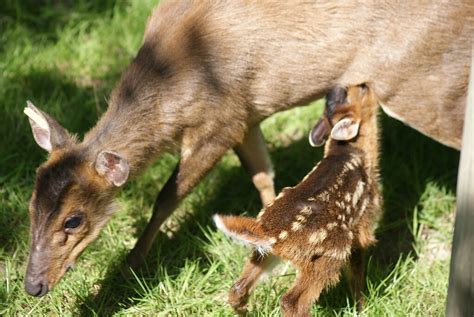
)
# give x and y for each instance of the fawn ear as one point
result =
(319, 133)
(346, 129)
(113, 167)
(48, 133)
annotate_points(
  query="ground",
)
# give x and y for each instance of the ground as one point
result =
(65, 56)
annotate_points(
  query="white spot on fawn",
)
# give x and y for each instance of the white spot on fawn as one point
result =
(295, 226)
(358, 192)
(348, 209)
(365, 202)
(283, 235)
(331, 225)
(347, 197)
(318, 236)
(356, 159)
(306, 210)
(340, 254)
(350, 235)
(318, 250)
(324, 196)
(301, 218)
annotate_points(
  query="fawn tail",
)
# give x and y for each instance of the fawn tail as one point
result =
(246, 230)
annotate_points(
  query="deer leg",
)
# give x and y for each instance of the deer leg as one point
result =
(311, 281)
(256, 265)
(189, 171)
(253, 155)
(357, 276)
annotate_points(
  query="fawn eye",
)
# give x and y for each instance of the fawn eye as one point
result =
(72, 222)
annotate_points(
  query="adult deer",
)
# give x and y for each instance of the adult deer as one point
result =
(208, 73)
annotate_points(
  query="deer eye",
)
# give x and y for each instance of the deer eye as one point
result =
(72, 222)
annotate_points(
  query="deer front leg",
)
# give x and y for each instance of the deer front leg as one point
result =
(256, 265)
(195, 162)
(253, 155)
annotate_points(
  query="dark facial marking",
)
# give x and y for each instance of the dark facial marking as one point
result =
(52, 183)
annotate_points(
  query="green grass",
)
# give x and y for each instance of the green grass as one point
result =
(66, 59)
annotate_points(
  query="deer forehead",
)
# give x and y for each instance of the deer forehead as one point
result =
(62, 184)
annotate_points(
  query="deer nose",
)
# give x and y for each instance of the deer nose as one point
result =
(36, 288)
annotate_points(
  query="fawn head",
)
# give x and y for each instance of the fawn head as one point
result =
(72, 200)
(342, 114)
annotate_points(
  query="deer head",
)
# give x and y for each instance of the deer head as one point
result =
(72, 200)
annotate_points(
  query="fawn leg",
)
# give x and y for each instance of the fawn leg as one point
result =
(253, 155)
(357, 275)
(256, 265)
(190, 169)
(311, 281)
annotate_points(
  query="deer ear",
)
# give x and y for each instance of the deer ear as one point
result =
(319, 133)
(113, 167)
(48, 133)
(346, 129)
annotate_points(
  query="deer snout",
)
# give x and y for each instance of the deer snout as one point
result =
(36, 285)
(36, 278)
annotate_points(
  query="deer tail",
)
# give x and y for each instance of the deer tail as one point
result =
(246, 230)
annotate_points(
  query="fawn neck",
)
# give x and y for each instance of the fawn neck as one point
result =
(366, 141)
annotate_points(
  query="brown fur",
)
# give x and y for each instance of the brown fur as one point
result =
(209, 71)
(323, 221)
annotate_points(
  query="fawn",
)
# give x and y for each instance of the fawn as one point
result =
(326, 220)
(207, 73)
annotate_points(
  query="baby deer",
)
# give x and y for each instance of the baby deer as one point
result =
(328, 219)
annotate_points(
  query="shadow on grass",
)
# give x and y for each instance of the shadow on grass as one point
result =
(45, 17)
(409, 161)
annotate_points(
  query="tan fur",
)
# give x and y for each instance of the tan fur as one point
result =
(319, 236)
(210, 71)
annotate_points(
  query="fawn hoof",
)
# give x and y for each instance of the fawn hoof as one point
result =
(360, 304)
(238, 297)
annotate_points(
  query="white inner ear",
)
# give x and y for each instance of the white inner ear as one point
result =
(39, 126)
(345, 130)
(114, 167)
(36, 117)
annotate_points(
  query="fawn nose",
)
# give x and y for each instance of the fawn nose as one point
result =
(36, 288)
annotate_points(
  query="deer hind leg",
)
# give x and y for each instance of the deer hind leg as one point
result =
(311, 281)
(240, 291)
(253, 155)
